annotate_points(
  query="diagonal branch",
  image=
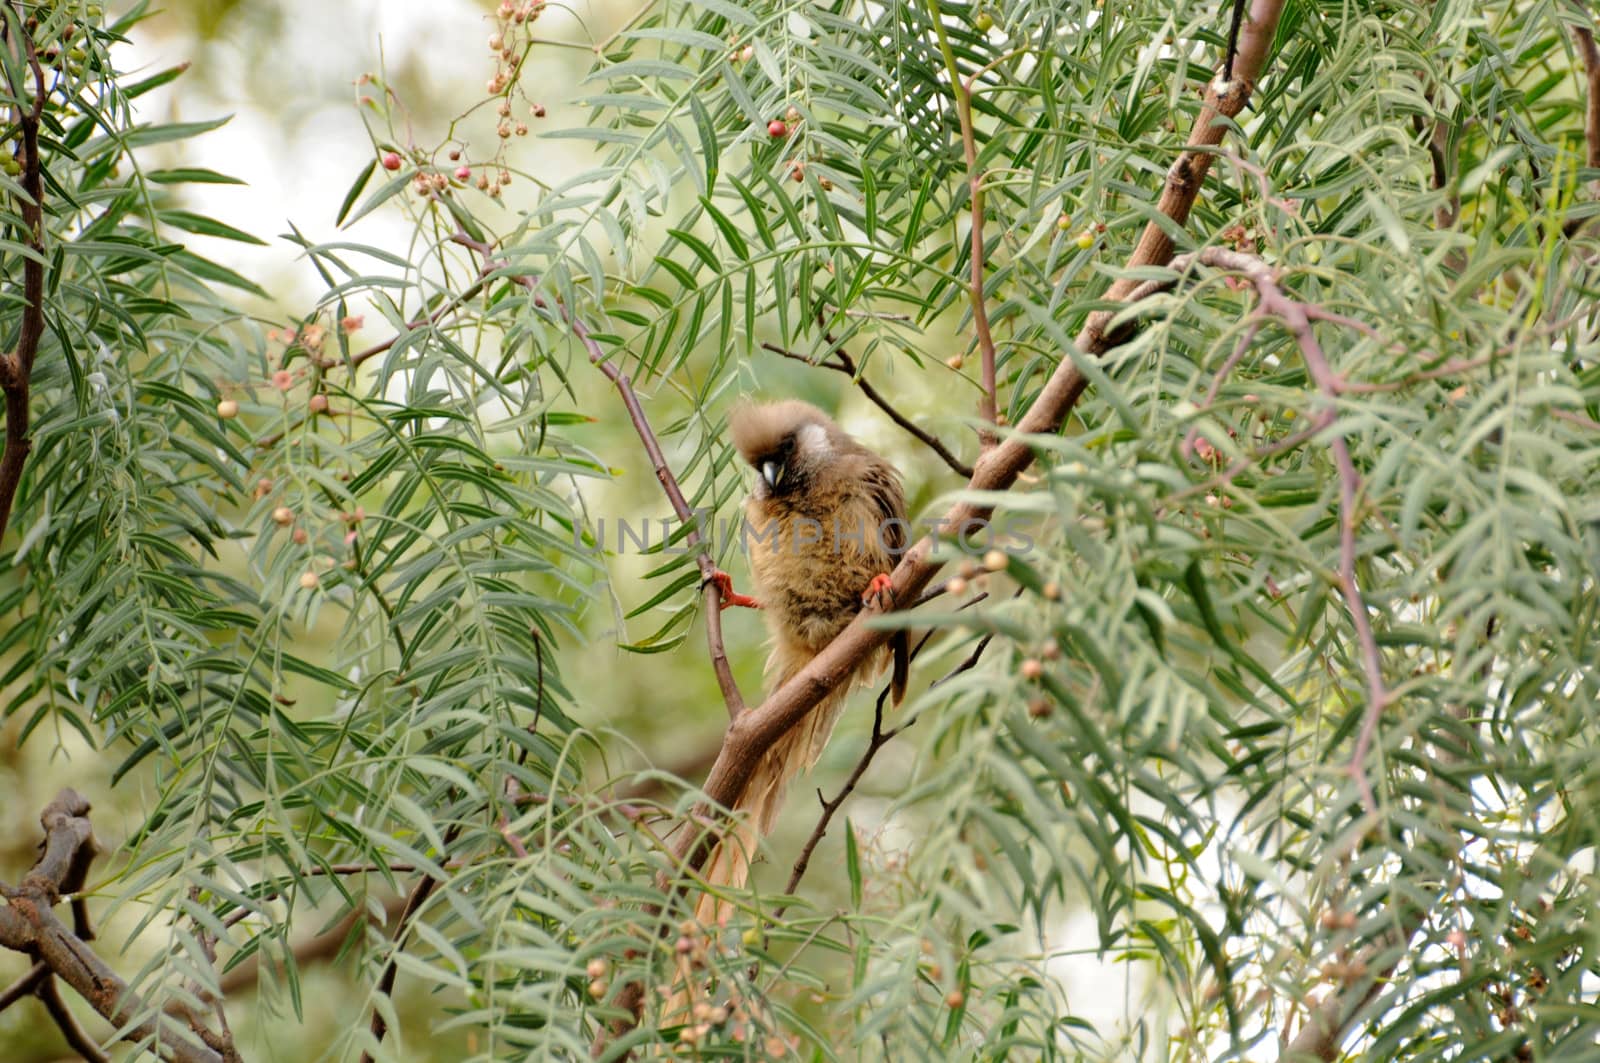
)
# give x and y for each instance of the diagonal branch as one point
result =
(711, 593)
(1271, 299)
(50, 995)
(1584, 37)
(845, 364)
(28, 925)
(414, 901)
(752, 733)
(1224, 101)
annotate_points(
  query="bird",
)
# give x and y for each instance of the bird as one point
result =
(823, 526)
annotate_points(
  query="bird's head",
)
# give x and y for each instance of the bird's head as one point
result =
(788, 443)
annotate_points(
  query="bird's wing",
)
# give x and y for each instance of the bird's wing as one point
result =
(888, 499)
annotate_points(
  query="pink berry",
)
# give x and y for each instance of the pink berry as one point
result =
(391, 161)
(463, 173)
(777, 128)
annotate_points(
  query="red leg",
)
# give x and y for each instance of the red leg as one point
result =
(730, 596)
(880, 592)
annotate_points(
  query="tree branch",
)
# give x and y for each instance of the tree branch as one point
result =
(16, 368)
(1224, 101)
(753, 732)
(418, 897)
(988, 403)
(25, 985)
(711, 594)
(847, 365)
(1584, 37)
(28, 925)
(1271, 299)
(50, 995)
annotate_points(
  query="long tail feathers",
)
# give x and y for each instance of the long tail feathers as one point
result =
(757, 811)
(900, 647)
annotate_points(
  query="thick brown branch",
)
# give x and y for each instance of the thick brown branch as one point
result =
(16, 368)
(846, 365)
(28, 925)
(1584, 36)
(753, 732)
(1224, 101)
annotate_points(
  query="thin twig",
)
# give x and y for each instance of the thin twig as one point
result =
(23, 986)
(988, 401)
(1271, 299)
(711, 594)
(222, 1040)
(49, 992)
(879, 739)
(1233, 39)
(847, 365)
(418, 897)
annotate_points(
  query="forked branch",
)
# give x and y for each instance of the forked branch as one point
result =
(28, 924)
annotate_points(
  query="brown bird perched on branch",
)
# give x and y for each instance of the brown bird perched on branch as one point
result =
(824, 525)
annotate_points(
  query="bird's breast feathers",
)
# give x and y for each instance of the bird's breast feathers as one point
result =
(811, 564)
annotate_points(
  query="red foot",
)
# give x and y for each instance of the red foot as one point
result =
(880, 592)
(730, 596)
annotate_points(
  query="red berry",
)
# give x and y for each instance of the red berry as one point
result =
(391, 161)
(777, 128)
(463, 173)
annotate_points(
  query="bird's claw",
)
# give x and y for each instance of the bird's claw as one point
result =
(879, 593)
(730, 596)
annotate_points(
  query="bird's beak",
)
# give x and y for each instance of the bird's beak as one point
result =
(772, 472)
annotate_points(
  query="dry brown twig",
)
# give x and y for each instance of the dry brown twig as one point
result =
(875, 742)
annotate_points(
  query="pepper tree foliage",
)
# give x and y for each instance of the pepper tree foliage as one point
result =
(312, 600)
